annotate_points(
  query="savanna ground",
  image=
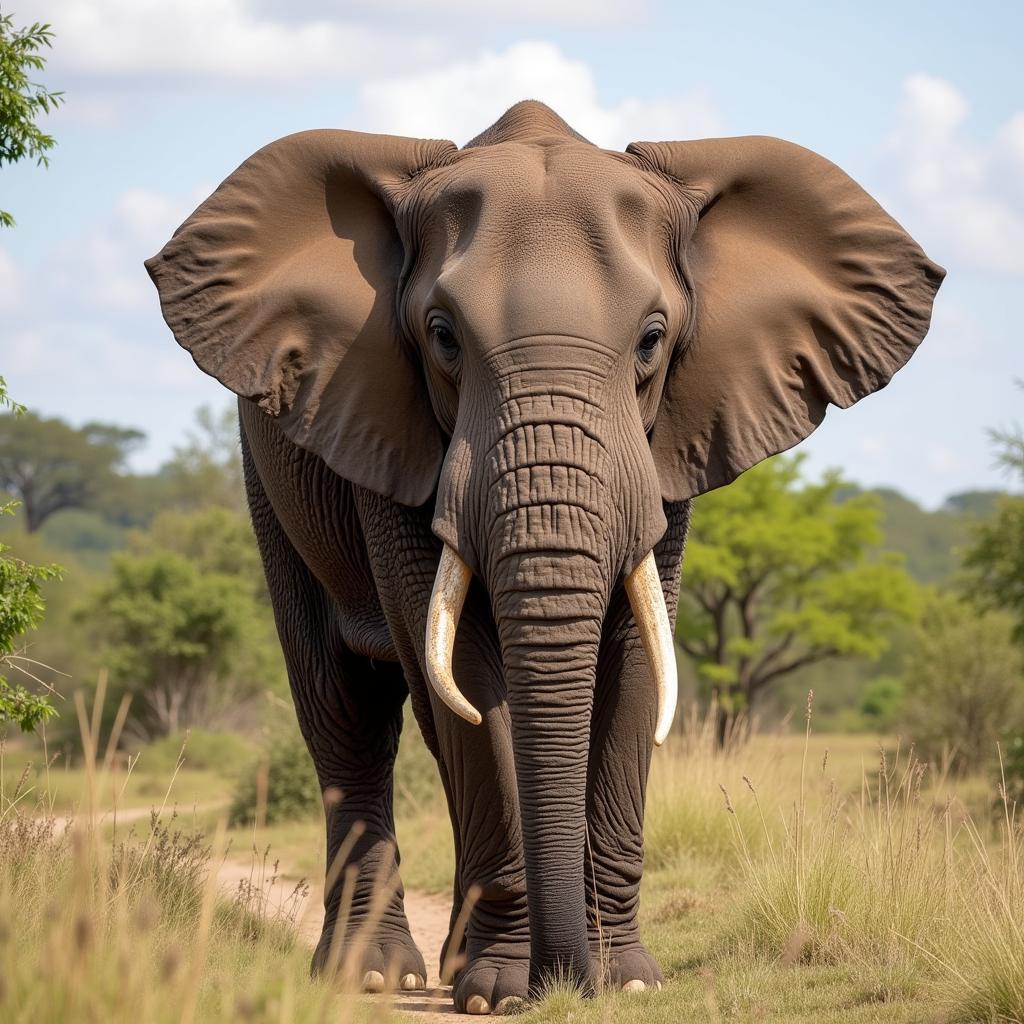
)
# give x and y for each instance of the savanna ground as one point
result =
(828, 878)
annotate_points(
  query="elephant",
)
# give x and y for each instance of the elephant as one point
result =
(478, 389)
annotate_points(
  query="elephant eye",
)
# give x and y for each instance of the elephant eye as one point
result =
(648, 347)
(443, 337)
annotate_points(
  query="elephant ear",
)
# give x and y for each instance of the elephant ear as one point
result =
(805, 291)
(282, 286)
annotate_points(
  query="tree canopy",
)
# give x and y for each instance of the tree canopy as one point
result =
(779, 574)
(22, 101)
(49, 465)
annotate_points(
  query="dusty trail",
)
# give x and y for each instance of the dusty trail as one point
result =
(428, 918)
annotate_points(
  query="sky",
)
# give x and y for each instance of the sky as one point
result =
(922, 103)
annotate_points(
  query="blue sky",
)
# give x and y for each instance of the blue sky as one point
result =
(923, 103)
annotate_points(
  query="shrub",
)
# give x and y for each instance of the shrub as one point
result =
(226, 753)
(882, 703)
(964, 682)
(288, 782)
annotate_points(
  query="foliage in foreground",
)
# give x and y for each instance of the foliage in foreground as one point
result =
(21, 609)
(136, 931)
(850, 906)
(23, 101)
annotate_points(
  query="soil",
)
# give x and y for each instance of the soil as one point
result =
(428, 918)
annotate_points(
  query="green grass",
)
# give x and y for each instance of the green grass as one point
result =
(790, 879)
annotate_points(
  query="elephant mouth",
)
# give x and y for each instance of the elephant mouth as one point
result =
(643, 588)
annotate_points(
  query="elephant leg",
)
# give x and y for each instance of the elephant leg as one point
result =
(622, 743)
(475, 761)
(349, 709)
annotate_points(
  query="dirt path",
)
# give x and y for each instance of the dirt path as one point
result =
(127, 815)
(428, 918)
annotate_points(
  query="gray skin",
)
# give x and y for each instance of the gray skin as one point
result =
(536, 352)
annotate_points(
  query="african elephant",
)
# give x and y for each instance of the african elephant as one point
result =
(478, 388)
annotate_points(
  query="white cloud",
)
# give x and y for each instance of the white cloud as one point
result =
(102, 269)
(964, 197)
(461, 99)
(11, 283)
(217, 38)
(587, 12)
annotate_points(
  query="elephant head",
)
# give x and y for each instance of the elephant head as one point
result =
(548, 340)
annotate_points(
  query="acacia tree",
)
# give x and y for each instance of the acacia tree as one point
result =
(49, 465)
(22, 101)
(781, 574)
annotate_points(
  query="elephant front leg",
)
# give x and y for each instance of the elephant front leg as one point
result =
(622, 742)
(621, 745)
(490, 968)
(366, 939)
(349, 710)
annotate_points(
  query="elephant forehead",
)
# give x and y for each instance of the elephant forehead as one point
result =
(542, 228)
(543, 194)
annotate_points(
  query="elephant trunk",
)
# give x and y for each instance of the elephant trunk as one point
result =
(548, 512)
(550, 633)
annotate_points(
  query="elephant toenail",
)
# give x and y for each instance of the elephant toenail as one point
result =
(373, 981)
(477, 1005)
(636, 985)
(658, 985)
(411, 982)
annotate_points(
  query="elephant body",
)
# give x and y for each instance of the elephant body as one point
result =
(478, 389)
(350, 588)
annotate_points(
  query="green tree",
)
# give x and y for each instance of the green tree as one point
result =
(964, 683)
(190, 645)
(994, 562)
(22, 101)
(779, 575)
(51, 466)
(214, 539)
(207, 468)
(21, 609)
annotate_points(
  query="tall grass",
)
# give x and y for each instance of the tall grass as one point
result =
(888, 886)
(796, 896)
(100, 924)
(981, 963)
(685, 823)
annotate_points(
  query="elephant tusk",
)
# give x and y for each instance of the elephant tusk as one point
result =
(446, 600)
(643, 587)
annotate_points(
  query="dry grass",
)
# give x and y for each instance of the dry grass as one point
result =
(890, 887)
(817, 888)
(101, 926)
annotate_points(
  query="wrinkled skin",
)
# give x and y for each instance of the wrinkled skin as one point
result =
(534, 352)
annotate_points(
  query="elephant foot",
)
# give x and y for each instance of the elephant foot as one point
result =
(629, 968)
(491, 984)
(385, 963)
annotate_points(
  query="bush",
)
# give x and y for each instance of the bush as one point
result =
(882, 703)
(287, 776)
(964, 682)
(226, 753)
